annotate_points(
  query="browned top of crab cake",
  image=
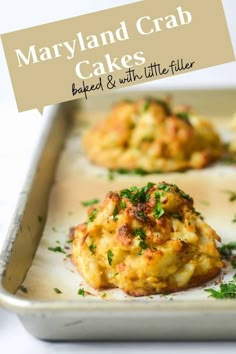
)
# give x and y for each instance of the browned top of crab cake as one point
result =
(145, 241)
(147, 135)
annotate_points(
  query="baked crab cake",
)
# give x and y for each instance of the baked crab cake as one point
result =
(146, 241)
(147, 135)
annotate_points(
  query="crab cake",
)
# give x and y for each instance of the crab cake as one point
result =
(146, 241)
(147, 135)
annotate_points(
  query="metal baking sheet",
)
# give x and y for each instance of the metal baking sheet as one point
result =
(51, 204)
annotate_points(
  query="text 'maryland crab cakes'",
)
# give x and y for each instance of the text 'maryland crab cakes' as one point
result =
(146, 241)
(147, 135)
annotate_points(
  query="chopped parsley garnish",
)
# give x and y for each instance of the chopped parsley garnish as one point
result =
(181, 193)
(228, 252)
(164, 187)
(90, 202)
(110, 256)
(234, 219)
(92, 215)
(146, 106)
(136, 171)
(183, 115)
(229, 160)
(92, 248)
(140, 171)
(54, 229)
(226, 290)
(232, 195)
(143, 245)
(227, 249)
(123, 171)
(141, 234)
(23, 289)
(81, 292)
(58, 291)
(122, 205)
(158, 210)
(137, 195)
(56, 249)
(69, 241)
(142, 216)
(115, 213)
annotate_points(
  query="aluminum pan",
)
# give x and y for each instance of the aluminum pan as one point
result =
(93, 320)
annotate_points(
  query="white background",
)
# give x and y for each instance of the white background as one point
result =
(19, 134)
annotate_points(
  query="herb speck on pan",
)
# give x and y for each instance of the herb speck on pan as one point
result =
(56, 249)
(23, 289)
(90, 202)
(225, 291)
(228, 252)
(57, 291)
(40, 219)
(231, 194)
(81, 292)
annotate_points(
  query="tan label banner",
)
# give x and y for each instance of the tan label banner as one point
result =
(115, 48)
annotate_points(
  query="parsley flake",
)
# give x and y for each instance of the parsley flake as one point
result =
(92, 215)
(232, 195)
(90, 202)
(227, 250)
(226, 290)
(81, 292)
(158, 210)
(110, 256)
(115, 213)
(92, 248)
(183, 115)
(143, 245)
(56, 249)
(122, 205)
(58, 291)
(146, 106)
(137, 195)
(164, 187)
(139, 233)
(40, 219)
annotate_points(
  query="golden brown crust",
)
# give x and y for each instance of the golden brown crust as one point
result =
(146, 241)
(147, 135)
